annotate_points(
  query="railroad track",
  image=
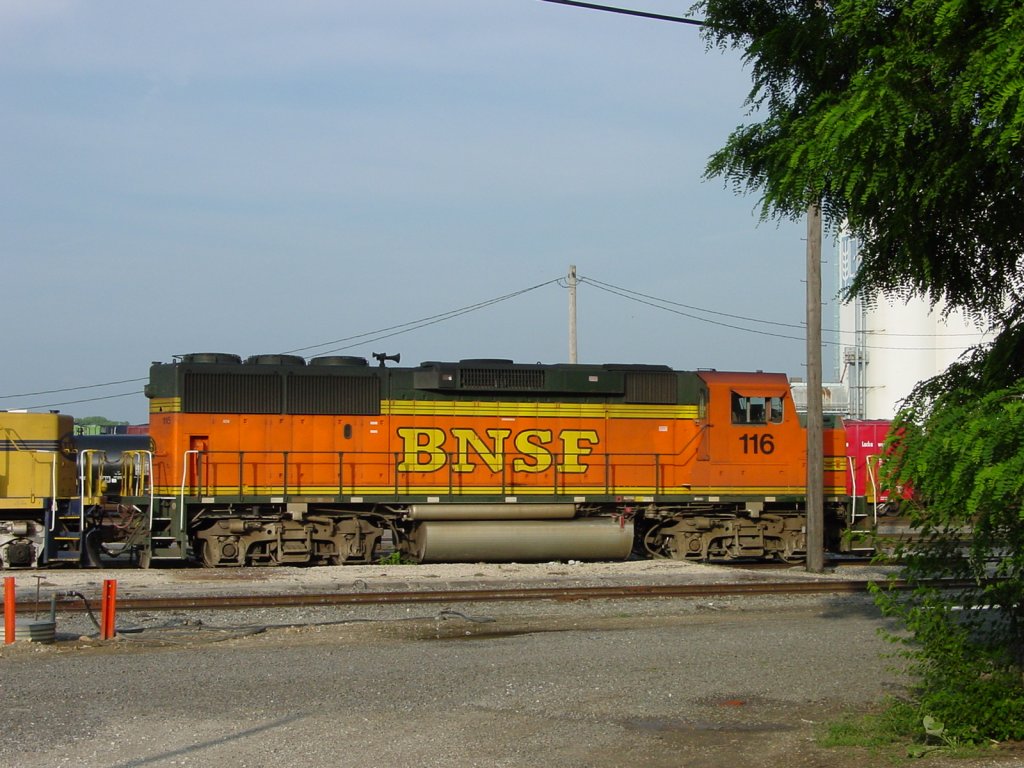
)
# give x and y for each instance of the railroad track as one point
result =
(630, 592)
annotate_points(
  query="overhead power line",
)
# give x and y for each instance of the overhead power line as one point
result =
(604, 286)
(69, 389)
(599, 284)
(667, 305)
(630, 12)
(362, 338)
(75, 402)
(657, 303)
(412, 325)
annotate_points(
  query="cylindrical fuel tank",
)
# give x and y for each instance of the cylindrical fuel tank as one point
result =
(598, 538)
(492, 511)
(112, 447)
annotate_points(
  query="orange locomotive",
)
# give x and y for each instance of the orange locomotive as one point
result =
(275, 461)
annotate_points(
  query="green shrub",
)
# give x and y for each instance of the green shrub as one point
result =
(967, 685)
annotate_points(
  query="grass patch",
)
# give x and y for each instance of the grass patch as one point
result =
(898, 724)
(898, 732)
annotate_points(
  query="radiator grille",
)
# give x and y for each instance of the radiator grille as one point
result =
(272, 393)
(350, 395)
(232, 393)
(652, 388)
(520, 379)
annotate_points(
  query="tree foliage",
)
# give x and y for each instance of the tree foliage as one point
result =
(959, 443)
(905, 119)
(100, 421)
(902, 118)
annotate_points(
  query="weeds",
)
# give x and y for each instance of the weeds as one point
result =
(894, 725)
(899, 731)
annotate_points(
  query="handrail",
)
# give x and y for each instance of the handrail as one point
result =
(229, 467)
(871, 462)
(852, 462)
(53, 487)
(18, 445)
(184, 476)
(129, 459)
(85, 458)
(135, 473)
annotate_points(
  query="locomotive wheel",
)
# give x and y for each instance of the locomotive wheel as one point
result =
(787, 556)
(656, 544)
(661, 541)
(208, 559)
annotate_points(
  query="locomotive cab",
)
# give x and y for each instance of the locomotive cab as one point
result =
(755, 444)
(748, 481)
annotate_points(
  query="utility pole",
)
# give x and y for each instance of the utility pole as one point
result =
(571, 281)
(815, 432)
(815, 447)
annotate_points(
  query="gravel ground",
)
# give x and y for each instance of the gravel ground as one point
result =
(139, 583)
(35, 587)
(708, 683)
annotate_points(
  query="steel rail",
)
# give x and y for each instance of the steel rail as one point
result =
(568, 594)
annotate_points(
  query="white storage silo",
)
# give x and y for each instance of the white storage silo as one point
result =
(886, 346)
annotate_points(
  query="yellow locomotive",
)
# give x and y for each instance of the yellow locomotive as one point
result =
(56, 500)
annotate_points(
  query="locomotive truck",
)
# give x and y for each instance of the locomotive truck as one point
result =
(274, 460)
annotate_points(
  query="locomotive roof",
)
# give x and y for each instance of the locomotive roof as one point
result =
(744, 379)
(230, 359)
(211, 382)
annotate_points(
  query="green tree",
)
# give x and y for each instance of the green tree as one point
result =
(961, 448)
(904, 119)
(99, 421)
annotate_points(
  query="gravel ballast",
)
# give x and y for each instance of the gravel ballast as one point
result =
(657, 682)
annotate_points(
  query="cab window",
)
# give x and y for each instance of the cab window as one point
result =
(756, 409)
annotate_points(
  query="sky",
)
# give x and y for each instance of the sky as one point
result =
(342, 177)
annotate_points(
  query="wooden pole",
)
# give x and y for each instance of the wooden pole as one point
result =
(815, 431)
(572, 312)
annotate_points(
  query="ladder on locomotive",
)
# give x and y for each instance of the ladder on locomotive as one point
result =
(66, 521)
(165, 538)
(158, 537)
(96, 512)
(864, 502)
